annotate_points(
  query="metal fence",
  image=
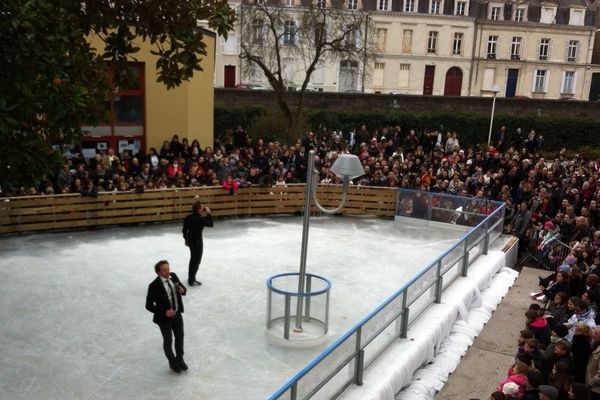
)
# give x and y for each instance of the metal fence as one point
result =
(548, 251)
(342, 364)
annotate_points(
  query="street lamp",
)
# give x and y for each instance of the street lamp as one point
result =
(495, 90)
(346, 166)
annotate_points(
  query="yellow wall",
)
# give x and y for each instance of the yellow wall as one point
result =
(187, 110)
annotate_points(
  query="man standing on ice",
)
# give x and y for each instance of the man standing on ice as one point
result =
(193, 225)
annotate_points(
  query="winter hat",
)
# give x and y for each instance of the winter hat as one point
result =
(548, 225)
(571, 259)
(560, 330)
(510, 389)
(549, 391)
(564, 268)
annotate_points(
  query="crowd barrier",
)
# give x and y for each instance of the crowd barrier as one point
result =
(343, 363)
(549, 254)
(69, 211)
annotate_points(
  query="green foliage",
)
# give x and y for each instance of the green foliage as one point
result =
(53, 81)
(576, 133)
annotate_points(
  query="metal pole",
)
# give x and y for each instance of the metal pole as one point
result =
(306, 222)
(492, 120)
(364, 71)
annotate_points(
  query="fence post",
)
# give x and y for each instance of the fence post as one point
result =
(486, 240)
(307, 299)
(465, 263)
(286, 318)
(430, 198)
(404, 330)
(439, 283)
(360, 359)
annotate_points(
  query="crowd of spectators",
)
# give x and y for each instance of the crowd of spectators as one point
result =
(549, 201)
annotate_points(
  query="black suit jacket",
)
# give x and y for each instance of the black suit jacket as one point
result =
(157, 300)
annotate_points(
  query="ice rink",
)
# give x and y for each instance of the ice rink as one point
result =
(74, 324)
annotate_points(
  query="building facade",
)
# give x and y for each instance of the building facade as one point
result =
(145, 113)
(454, 48)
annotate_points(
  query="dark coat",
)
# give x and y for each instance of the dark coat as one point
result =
(157, 299)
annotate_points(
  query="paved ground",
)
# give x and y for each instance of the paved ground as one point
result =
(493, 351)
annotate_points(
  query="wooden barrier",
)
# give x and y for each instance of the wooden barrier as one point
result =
(68, 211)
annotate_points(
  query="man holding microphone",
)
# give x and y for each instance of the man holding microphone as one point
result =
(164, 301)
(193, 225)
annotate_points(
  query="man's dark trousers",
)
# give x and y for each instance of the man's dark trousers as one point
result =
(174, 327)
(196, 248)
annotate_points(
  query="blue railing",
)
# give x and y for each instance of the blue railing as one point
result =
(343, 362)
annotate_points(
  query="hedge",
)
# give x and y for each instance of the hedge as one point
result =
(576, 132)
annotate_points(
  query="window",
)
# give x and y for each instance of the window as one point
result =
(321, 3)
(539, 80)
(381, 39)
(404, 76)
(460, 7)
(289, 33)
(548, 15)
(457, 43)
(572, 50)
(492, 46)
(378, 75)
(258, 31)
(287, 2)
(125, 104)
(515, 48)
(409, 5)
(576, 17)
(432, 42)
(351, 41)
(496, 13)
(352, 4)
(407, 36)
(318, 74)
(230, 46)
(568, 82)
(436, 7)
(382, 5)
(544, 50)
(256, 74)
(520, 14)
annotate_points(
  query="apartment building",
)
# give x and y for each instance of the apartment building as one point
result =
(449, 47)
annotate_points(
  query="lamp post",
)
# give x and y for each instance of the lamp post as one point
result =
(346, 166)
(495, 90)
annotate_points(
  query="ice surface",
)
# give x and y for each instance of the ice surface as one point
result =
(74, 324)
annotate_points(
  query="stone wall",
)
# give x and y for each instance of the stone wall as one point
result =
(410, 103)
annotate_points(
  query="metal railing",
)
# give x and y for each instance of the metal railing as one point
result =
(344, 362)
(550, 253)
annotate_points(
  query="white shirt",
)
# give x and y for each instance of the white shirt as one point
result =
(167, 283)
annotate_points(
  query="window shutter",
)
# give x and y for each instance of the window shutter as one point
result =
(550, 49)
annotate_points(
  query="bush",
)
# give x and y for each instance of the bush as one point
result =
(472, 128)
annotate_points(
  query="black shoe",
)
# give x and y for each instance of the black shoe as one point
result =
(182, 364)
(195, 283)
(174, 365)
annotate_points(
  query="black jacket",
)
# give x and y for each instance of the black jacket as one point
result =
(157, 300)
(194, 224)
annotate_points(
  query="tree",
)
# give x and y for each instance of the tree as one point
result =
(272, 34)
(53, 81)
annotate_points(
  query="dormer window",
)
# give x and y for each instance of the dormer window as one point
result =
(321, 3)
(496, 12)
(548, 15)
(435, 7)
(461, 7)
(520, 14)
(352, 4)
(383, 5)
(576, 17)
(409, 5)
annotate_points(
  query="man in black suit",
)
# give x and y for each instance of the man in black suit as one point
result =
(193, 225)
(164, 301)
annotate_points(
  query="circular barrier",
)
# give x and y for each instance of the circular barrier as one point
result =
(284, 300)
